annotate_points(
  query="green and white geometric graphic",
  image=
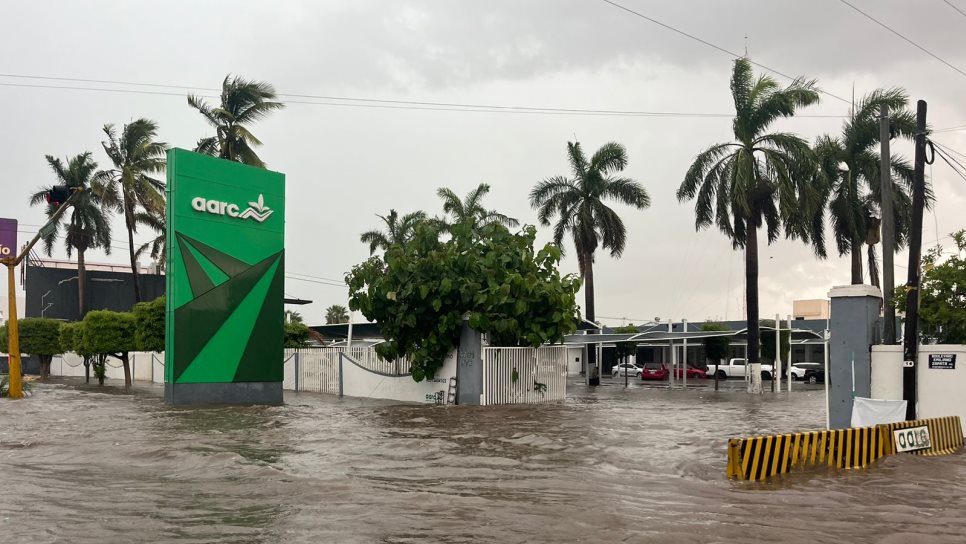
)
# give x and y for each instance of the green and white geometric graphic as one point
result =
(225, 271)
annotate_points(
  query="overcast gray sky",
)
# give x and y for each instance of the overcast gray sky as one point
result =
(346, 163)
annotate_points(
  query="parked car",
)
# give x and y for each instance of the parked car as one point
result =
(816, 375)
(626, 369)
(735, 368)
(798, 370)
(692, 373)
(654, 371)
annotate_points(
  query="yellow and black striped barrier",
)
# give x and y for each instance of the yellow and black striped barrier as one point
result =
(760, 457)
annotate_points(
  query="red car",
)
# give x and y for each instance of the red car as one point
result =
(654, 371)
(692, 373)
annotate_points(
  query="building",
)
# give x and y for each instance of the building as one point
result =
(810, 309)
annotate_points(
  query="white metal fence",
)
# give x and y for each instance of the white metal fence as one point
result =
(524, 375)
(317, 369)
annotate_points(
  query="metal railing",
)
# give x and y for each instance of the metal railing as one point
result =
(524, 375)
(317, 369)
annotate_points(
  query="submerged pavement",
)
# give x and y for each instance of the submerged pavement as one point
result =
(644, 464)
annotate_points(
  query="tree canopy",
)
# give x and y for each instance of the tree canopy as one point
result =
(942, 302)
(149, 319)
(419, 293)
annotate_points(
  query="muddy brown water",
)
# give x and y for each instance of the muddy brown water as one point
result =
(84, 464)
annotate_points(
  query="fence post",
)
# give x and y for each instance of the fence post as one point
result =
(296, 363)
(340, 374)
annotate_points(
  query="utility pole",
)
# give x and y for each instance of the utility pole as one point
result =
(888, 231)
(910, 343)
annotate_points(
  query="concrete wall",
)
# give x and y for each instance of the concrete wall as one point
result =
(575, 357)
(853, 325)
(942, 392)
(887, 372)
(360, 382)
(143, 368)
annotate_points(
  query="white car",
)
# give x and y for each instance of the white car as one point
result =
(797, 370)
(626, 369)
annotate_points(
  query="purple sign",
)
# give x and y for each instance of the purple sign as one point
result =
(8, 238)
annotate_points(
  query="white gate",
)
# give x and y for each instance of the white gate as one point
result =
(524, 375)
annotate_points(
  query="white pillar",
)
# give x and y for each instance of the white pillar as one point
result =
(776, 374)
(674, 356)
(684, 352)
(790, 380)
(828, 415)
(348, 344)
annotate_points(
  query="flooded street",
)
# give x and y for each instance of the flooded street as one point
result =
(84, 464)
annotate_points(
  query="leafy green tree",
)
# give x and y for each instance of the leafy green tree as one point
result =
(625, 349)
(149, 325)
(41, 338)
(108, 333)
(72, 339)
(336, 314)
(760, 179)
(4, 339)
(579, 204)
(136, 157)
(398, 230)
(851, 165)
(242, 102)
(469, 210)
(942, 300)
(420, 292)
(296, 334)
(88, 220)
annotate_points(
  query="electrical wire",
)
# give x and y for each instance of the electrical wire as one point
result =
(713, 46)
(950, 4)
(916, 45)
(402, 104)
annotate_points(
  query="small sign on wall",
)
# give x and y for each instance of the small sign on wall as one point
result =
(943, 361)
(912, 438)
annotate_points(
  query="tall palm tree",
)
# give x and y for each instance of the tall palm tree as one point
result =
(156, 248)
(136, 157)
(578, 203)
(851, 165)
(336, 314)
(398, 231)
(242, 103)
(469, 209)
(760, 179)
(88, 221)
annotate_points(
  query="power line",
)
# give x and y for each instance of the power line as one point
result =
(342, 282)
(712, 45)
(315, 281)
(950, 129)
(400, 104)
(921, 48)
(950, 4)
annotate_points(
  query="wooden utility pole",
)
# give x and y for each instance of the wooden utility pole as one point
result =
(910, 343)
(888, 231)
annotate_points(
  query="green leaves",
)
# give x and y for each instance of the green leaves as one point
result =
(150, 325)
(421, 291)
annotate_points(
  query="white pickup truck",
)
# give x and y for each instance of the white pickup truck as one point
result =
(735, 368)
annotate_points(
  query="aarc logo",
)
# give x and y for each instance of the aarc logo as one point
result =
(256, 210)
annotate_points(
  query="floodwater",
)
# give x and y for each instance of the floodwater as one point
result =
(86, 464)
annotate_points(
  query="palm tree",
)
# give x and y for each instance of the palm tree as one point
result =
(136, 157)
(759, 180)
(851, 165)
(156, 248)
(242, 102)
(469, 210)
(89, 217)
(578, 202)
(336, 314)
(398, 231)
(292, 316)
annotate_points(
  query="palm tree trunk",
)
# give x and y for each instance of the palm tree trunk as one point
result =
(751, 300)
(856, 262)
(129, 222)
(589, 312)
(873, 267)
(81, 281)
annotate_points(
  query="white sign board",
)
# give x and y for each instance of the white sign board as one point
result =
(912, 438)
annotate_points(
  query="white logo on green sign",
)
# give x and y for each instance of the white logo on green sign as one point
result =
(256, 210)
